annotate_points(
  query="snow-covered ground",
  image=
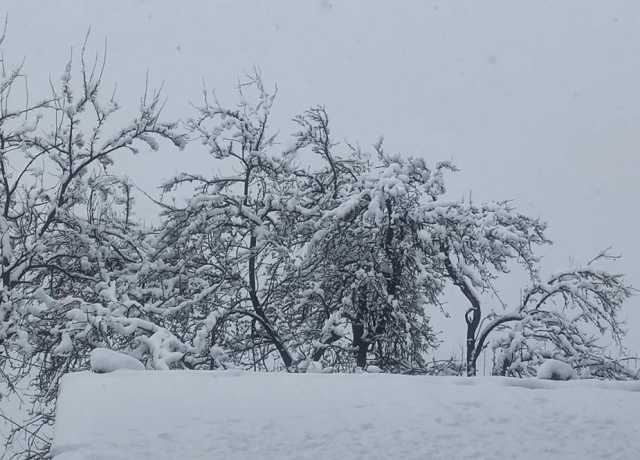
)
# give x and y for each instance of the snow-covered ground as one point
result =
(232, 415)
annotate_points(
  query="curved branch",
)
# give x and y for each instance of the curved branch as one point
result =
(491, 326)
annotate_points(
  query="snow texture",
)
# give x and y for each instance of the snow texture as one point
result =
(104, 360)
(235, 415)
(552, 369)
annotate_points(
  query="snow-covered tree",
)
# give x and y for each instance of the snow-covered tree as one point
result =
(338, 260)
(566, 317)
(376, 281)
(69, 246)
(475, 245)
(230, 239)
(298, 260)
(478, 245)
(288, 257)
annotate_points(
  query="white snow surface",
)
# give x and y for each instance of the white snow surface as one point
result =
(552, 369)
(235, 415)
(104, 360)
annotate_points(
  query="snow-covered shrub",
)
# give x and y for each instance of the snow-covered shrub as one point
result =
(104, 360)
(553, 369)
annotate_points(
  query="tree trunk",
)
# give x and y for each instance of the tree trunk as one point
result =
(473, 321)
(471, 360)
(259, 310)
(360, 345)
(284, 353)
(472, 316)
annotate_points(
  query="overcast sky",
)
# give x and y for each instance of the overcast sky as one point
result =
(535, 101)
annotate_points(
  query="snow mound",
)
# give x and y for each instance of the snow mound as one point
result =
(314, 367)
(234, 415)
(552, 369)
(104, 360)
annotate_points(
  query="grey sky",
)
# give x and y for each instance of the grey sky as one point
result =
(535, 101)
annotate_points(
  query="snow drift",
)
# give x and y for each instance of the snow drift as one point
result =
(234, 415)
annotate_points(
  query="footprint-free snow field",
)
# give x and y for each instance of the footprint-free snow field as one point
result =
(229, 415)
